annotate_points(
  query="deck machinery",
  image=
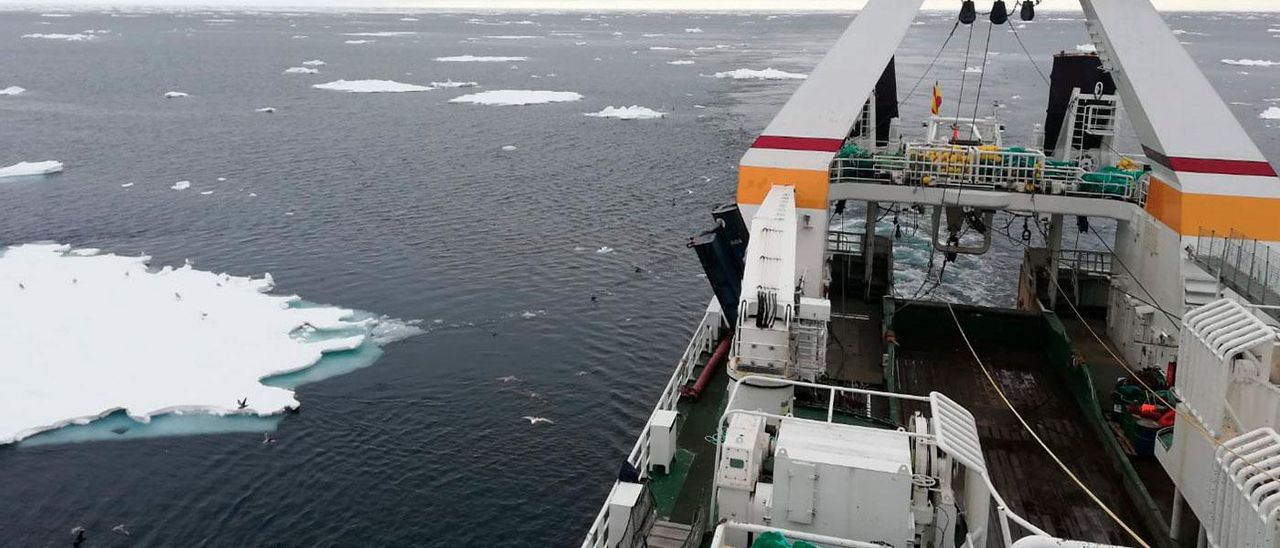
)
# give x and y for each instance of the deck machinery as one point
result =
(812, 405)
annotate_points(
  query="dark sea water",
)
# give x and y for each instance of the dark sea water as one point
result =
(406, 205)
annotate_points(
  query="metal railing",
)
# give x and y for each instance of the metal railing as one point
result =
(702, 341)
(952, 166)
(840, 241)
(1085, 261)
(1244, 264)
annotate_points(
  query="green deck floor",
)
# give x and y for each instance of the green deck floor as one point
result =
(666, 487)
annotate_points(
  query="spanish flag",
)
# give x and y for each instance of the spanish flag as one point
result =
(936, 106)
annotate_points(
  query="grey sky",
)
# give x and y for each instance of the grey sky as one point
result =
(647, 5)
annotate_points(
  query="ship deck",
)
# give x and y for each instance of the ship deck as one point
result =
(932, 356)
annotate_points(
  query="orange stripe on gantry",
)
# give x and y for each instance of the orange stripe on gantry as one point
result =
(1188, 213)
(811, 185)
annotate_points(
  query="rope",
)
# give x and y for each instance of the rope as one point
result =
(1014, 28)
(1190, 419)
(931, 64)
(1035, 436)
(986, 50)
(1116, 258)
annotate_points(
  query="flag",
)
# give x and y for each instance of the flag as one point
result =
(936, 106)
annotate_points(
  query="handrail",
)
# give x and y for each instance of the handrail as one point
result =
(702, 339)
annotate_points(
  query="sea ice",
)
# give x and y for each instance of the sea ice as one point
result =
(55, 15)
(1272, 113)
(973, 70)
(175, 95)
(766, 74)
(1086, 48)
(604, 249)
(126, 185)
(479, 59)
(512, 37)
(680, 62)
(633, 112)
(693, 30)
(517, 97)
(267, 110)
(87, 335)
(409, 19)
(1250, 62)
(452, 84)
(662, 48)
(206, 193)
(383, 34)
(12, 90)
(301, 70)
(79, 37)
(28, 169)
(313, 63)
(508, 148)
(371, 86)
(359, 41)
(181, 185)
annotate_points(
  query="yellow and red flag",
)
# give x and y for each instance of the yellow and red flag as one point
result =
(936, 106)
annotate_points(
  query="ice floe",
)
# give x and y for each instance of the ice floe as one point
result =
(301, 70)
(175, 95)
(517, 97)
(313, 63)
(480, 59)
(766, 74)
(1086, 48)
(508, 148)
(661, 48)
(1272, 113)
(126, 185)
(150, 342)
(371, 86)
(408, 19)
(973, 70)
(382, 34)
(267, 110)
(680, 62)
(181, 185)
(78, 37)
(12, 90)
(452, 84)
(55, 15)
(359, 41)
(28, 169)
(693, 30)
(1250, 62)
(512, 37)
(604, 249)
(633, 112)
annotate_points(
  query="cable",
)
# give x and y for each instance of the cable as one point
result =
(1014, 28)
(1116, 258)
(964, 73)
(931, 63)
(982, 76)
(1036, 436)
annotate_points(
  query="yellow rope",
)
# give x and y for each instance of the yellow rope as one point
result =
(1043, 445)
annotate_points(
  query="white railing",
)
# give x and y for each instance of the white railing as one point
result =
(1213, 336)
(955, 166)
(1246, 492)
(702, 341)
(1085, 261)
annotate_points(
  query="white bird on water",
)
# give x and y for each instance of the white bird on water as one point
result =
(536, 420)
(508, 378)
(120, 529)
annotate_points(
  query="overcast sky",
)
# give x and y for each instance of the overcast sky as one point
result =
(647, 5)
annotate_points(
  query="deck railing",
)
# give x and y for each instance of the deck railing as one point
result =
(844, 242)
(1085, 261)
(951, 166)
(1244, 264)
(702, 341)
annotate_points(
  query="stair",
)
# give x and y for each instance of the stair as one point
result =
(1199, 287)
(666, 534)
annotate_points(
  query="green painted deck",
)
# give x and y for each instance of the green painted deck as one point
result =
(666, 487)
(699, 421)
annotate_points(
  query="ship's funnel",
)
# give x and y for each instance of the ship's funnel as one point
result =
(1071, 71)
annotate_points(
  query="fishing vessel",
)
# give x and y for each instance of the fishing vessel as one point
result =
(1129, 398)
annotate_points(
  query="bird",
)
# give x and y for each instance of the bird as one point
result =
(20, 286)
(242, 403)
(119, 528)
(177, 295)
(593, 297)
(266, 438)
(536, 420)
(508, 378)
(79, 533)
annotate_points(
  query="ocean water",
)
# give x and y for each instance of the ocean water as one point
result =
(407, 205)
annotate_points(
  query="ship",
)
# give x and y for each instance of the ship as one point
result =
(1128, 398)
